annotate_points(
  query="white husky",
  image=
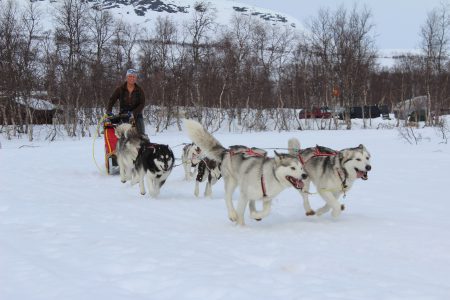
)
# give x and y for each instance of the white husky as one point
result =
(258, 177)
(126, 149)
(332, 172)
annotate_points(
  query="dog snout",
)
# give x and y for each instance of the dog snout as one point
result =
(368, 168)
(304, 176)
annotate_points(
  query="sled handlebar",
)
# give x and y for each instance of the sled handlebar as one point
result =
(119, 118)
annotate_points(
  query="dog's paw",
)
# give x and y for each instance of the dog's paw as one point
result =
(336, 213)
(154, 191)
(241, 222)
(319, 212)
(196, 192)
(256, 216)
(232, 215)
(310, 213)
(123, 181)
(342, 207)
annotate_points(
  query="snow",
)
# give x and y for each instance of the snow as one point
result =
(389, 57)
(36, 103)
(69, 232)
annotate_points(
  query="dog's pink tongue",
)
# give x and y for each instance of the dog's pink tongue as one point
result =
(299, 184)
(360, 174)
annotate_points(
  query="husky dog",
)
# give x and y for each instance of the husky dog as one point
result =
(209, 170)
(190, 159)
(155, 162)
(258, 176)
(126, 149)
(332, 172)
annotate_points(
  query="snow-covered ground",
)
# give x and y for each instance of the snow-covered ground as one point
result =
(69, 232)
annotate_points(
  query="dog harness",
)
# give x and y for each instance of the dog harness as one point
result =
(251, 152)
(319, 153)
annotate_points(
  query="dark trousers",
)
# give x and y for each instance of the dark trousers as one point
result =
(140, 126)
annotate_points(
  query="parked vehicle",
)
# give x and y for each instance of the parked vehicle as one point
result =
(356, 112)
(384, 110)
(316, 112)
(417, 116)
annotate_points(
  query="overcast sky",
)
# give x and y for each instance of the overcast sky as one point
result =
(397, 22)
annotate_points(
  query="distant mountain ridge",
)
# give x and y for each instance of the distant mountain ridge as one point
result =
(142, 6)
(143, 11)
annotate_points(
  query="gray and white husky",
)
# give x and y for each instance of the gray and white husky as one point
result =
(190, 158)
(258, 177)
(127, 148)
(332, 173)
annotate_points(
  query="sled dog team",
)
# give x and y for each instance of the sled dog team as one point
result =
(258, 176)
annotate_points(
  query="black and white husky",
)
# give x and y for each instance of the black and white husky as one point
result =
(332, 173)
(207, 170)
(154, 162)
(127, 148)
(258, 177)
(190, 159)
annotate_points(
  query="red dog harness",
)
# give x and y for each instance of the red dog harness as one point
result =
(251, 152)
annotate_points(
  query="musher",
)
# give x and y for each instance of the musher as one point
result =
(131, 100)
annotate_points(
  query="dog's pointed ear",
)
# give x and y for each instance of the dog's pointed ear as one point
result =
(361, 146)
(277, 155)
(344, 154)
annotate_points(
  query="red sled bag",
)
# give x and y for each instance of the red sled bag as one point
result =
(110, 145)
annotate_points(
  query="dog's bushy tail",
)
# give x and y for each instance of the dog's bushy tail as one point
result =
(122, 129)
(293, 146)
(212, 148)
(132, 133)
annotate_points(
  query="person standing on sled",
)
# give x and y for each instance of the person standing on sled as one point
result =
(131, 100)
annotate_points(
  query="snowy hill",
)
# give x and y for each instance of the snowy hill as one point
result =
(145, 12)
(389, 57)
(69, 232)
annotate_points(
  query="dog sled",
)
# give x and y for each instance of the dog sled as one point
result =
(109, 125)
